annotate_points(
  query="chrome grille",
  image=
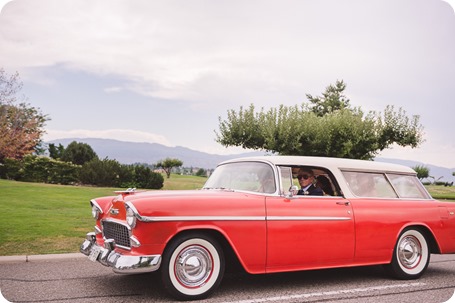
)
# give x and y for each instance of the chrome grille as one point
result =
(119, 232)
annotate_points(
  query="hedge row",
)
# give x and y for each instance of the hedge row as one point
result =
(106, 172)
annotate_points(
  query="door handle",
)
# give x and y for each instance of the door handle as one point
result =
(345, 203)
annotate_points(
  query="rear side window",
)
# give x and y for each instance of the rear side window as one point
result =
(374, 185)
(408, 186)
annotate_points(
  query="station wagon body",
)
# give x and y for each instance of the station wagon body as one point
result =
(250, 211)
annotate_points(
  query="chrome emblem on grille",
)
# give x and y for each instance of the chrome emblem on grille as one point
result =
(114, 211)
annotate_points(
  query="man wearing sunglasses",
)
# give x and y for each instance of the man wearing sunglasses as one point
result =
(306, 179)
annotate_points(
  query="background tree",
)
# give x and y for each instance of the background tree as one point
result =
(201, 172)
(327, 128)
(167, 165)
(56, 152)
(106, 172)
(144, 177)
(422, 171)
(332, 99)
(78, 153)
(21, 125)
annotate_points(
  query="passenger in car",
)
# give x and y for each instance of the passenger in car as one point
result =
(323, 183)
(306, 179)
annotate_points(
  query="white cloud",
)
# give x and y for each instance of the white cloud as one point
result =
(218, 55)
(116, 134)
(451, 3)
(3, 3)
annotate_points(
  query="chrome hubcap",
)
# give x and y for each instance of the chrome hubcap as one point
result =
(409, 252)
(193, 266)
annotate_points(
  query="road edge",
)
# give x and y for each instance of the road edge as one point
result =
(31, 258)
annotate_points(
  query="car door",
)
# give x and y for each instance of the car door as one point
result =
(306, 232)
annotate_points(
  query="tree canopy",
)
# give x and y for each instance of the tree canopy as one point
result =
(422, 171)
(328, 126)
(78, 153)
(21, 125)
(167, 165)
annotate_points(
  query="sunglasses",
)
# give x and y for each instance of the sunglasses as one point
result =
(305, 177)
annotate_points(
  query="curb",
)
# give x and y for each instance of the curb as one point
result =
(31, 258)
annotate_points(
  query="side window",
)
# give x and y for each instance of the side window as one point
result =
(408, 186)
(320, 178)
(364, 184)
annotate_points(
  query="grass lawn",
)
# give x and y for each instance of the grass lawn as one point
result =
(442, 192)
(40, 218)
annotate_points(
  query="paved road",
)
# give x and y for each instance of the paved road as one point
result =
(74, 279)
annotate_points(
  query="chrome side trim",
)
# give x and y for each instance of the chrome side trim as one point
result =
(306, 218)
(241, 218)
(202, 218)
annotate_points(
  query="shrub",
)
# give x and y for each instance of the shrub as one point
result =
(39, 169)
(11, 169)
(144, 177)
(104, 172)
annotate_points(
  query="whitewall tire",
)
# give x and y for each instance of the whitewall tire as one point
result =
(193, 266)
(410, 256)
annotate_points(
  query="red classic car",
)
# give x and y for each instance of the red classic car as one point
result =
(274, 214)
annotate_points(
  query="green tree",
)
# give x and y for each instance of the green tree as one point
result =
(144, 177)
(56, 152)
(167, 165)
(201, 172)
(106, 172)
(78, 153)
(21, 125)
(423, 172)
(332, 99)
(327, 128)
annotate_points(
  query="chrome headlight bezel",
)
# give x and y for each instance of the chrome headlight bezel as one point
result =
(131, 215)
(96, 210)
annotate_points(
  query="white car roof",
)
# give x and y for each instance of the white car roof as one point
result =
(331, 163)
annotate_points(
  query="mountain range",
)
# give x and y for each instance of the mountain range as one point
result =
(150, 153)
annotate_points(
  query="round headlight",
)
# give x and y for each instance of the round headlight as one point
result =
(95, 212)
(130, 217)
(96, 209)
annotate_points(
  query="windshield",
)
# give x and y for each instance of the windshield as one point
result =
(245, 176)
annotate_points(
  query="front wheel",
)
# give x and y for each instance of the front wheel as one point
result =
(410, 256)
(193, 267)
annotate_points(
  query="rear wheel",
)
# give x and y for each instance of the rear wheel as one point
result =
(193, 266)
(410, 257)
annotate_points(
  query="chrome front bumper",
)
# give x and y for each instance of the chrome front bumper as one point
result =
(120, 263)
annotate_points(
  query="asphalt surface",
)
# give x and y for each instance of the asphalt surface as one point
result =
(72, 278)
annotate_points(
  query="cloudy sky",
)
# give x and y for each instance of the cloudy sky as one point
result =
(164, 71)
